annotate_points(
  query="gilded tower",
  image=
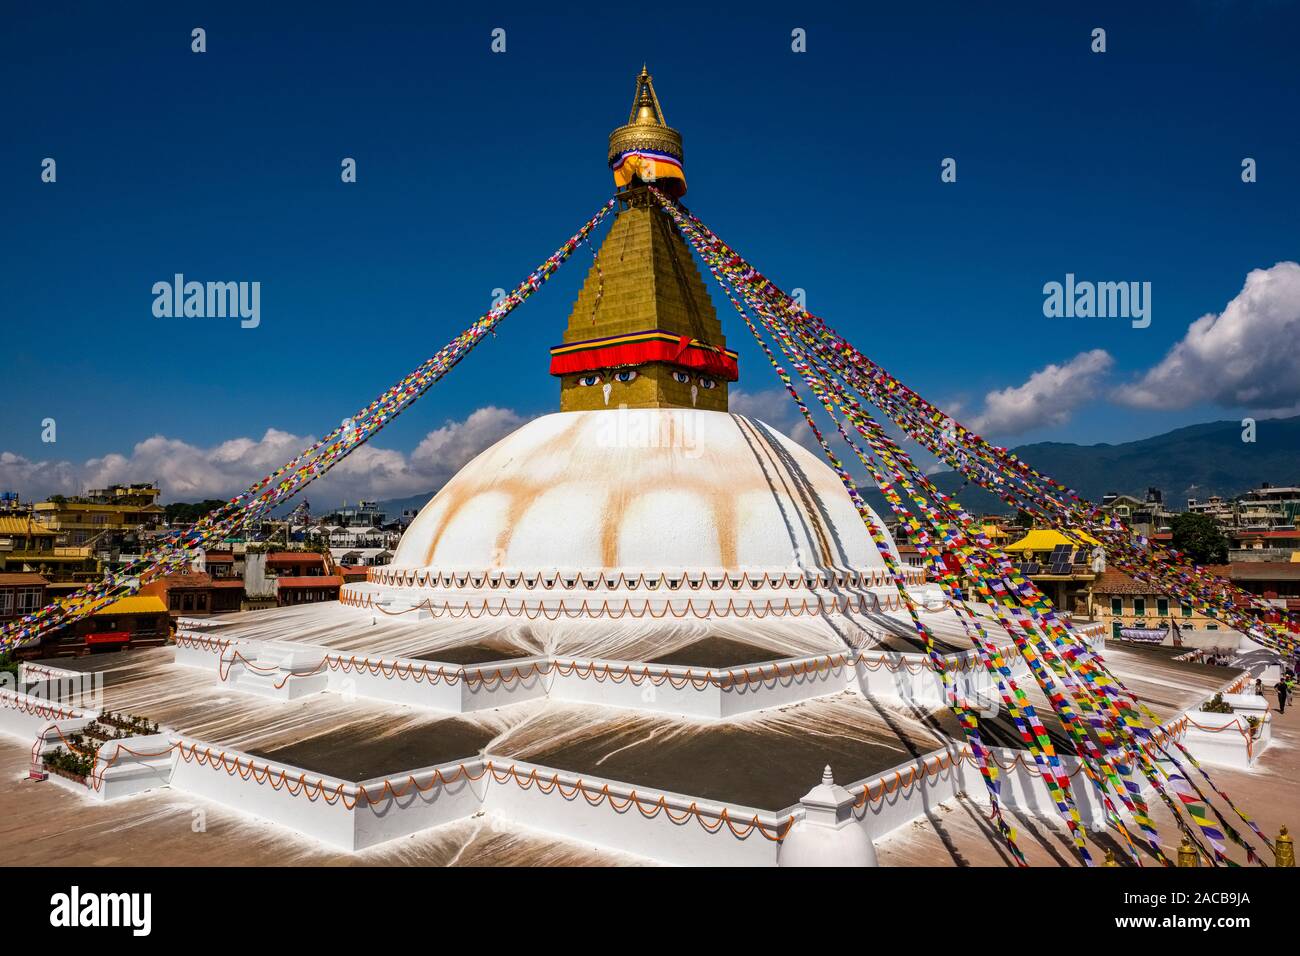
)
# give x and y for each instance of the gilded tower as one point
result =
(643, 333)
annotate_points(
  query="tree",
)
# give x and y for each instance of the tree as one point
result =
(1200, 538)
(180, 512)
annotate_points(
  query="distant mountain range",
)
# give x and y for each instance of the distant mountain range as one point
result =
(1192, 462)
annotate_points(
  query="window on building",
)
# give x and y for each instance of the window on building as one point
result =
(1162, 607)
(6, 603)
(29, 600)
(1116, 606)
(1211, 627)
(1140, 606)
(1187, 610)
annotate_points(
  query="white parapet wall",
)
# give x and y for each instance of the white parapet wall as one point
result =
(720, 693)
(389, 808)
(1234, 739)
(201, 650)
(1255, 710)
(314, 805)
(911, 678)
(912, 790)
(344, 814)
(895, 798)
(711, 693)
(700, 692)
(27, 716)
(748, 689)
(451, 687)
(1023, 786)
(133, 765)
(281, 670)
(667, 827)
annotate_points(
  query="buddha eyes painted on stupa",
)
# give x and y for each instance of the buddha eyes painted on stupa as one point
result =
(684, 378)
(623, 375)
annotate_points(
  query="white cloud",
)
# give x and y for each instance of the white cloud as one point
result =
(773, 406)
(47, 477)
(1247, 356)
(446, 450)
(188, 472)
(1048, 398)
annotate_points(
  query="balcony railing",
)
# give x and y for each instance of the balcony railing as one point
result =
(1260, 554)
(49, 554)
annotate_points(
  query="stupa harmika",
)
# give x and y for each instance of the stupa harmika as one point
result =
(643, 623)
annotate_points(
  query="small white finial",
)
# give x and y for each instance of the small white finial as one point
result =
(829, 833)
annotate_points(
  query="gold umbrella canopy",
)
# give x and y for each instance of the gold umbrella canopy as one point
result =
(646, 149)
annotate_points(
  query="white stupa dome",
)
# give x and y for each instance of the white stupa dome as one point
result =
(644, 490)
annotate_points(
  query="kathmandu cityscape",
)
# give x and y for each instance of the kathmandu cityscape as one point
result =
(399, 470)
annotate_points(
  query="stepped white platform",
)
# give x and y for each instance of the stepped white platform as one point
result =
(354, 773)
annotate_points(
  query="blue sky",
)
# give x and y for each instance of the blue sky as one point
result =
(821, 167)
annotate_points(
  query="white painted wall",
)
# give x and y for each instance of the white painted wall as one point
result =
(628, 829)
(456, 690)
(25, 716)
(331, 823)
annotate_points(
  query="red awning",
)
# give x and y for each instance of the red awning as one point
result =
(109, 637)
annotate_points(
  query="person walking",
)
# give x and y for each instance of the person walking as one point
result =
(1283, 689)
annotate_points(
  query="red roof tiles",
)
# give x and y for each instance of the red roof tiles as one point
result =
(295, 557)
(317, 581)
(22, 577)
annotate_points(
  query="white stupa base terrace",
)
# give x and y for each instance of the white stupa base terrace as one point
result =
(781, 660)
(639, 776)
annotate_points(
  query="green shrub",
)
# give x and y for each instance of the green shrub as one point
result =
(77, 764)
(1216, 705)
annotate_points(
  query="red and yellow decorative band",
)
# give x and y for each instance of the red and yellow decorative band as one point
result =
(638, 348)
(651, 166)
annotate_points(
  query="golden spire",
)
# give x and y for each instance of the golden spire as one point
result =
(646, 110)
(644, 333)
